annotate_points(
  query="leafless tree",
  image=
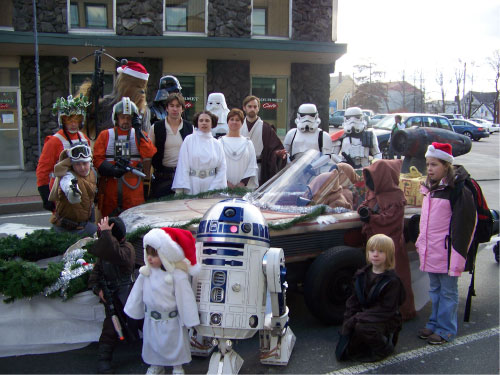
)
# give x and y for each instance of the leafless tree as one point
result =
(441, 82)
(367, 73)
(494, 63)
(458, 80)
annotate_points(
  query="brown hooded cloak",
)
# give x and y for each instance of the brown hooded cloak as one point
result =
(386, 201)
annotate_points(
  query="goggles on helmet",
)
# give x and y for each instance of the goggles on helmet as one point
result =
(80, 153)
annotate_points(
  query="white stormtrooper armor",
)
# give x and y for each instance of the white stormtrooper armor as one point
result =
(357, 144)
(239, 274)
(307, 135)
(216, 103)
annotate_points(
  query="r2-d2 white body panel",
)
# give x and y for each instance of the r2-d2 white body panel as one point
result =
(232, 240)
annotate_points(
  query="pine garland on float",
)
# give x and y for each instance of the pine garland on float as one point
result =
(21, 277)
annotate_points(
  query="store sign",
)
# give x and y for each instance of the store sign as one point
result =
(4, 106)
(189, 105)
(270, 106)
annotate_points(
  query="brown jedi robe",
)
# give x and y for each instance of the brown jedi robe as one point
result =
(270, 162)
(369, 325)
(389, 220)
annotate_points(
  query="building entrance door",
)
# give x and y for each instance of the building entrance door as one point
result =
(11, 156)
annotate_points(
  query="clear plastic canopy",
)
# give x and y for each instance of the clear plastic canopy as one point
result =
(310, 181)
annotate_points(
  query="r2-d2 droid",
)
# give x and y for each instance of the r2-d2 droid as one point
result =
(238, 271)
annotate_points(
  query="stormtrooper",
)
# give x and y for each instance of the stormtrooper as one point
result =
(307, 135)
(357, 143)
(216, 103)
(168, 84)
(240, 275)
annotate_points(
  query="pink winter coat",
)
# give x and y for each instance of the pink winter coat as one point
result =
(432, 242)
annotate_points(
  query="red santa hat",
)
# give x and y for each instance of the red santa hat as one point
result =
(441, 151)
(134, 69)
(173, 245)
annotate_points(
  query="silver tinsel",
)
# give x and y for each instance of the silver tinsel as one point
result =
(67, 274)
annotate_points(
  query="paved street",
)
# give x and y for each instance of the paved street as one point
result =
(475, 351)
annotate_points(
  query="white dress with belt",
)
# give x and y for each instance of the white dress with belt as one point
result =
(201, 166)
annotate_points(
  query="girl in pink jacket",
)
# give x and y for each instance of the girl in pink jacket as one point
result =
(446, 234)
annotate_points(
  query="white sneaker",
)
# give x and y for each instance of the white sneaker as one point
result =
(178, 370)
(155, 370)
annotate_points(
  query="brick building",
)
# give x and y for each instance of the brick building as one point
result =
(279, 50)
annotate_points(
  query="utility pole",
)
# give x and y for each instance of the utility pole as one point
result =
(37, 81)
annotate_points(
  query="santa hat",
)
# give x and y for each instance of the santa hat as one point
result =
(440, 151)
(173, 245)
(134, 69)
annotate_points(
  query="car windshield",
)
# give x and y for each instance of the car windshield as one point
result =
(386, 123)
(310, 181)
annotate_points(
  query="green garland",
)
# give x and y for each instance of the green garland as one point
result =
(237, 191)
(21, 278)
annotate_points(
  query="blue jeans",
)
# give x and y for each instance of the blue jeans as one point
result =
(444, 296)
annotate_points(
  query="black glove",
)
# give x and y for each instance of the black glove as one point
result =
(110, 170)
(44, 194)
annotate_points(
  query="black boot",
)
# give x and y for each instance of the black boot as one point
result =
(105, 357)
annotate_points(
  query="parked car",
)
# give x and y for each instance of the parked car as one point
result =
(337, 119)
(487, 124)
(449, 116)
(470, 129)
(382, 129)
(378, 117)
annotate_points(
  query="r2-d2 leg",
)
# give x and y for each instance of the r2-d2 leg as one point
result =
(276, 339)
(225, 360)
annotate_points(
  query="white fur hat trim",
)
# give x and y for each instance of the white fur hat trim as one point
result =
(438, 154)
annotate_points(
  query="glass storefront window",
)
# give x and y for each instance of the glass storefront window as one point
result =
(93, 14)
(10, 155)
(9, 77)
(185, 16)
(6, 14)
(273, 95)
(193, 89)
(78, 78)
(271, 18)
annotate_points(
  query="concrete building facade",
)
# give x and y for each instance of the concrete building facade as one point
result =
(282, 51)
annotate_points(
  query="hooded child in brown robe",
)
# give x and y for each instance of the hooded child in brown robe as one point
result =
(383, 212)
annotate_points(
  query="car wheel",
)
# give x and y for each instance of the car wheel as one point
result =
(328, 282)
(477, 139)
(468, 134)
(495, 251)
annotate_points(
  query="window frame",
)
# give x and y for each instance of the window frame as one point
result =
(87, 6)
(185, 33)
(85, 30)
(289, 36)
(266, 22)
(9, 28)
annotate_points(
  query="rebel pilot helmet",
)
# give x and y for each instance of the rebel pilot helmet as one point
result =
(66, 108)
(307, 118)
(126, 107)
(168, 84)
(353, 120)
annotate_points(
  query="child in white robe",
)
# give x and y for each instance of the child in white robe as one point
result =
(163, 296)
(241, 162)
(202, 164)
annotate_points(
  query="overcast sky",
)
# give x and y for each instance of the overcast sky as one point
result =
(421, 35)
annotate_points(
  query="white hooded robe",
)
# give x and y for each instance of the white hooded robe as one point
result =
(241, 161)
(165, 342)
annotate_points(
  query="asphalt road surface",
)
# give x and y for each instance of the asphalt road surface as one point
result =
(475, 350)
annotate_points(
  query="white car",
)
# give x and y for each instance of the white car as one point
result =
(487, 124)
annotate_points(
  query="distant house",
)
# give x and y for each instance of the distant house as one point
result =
(481, 104)
(436, 106)
(402, 97)
(388, 97)
(342, 88)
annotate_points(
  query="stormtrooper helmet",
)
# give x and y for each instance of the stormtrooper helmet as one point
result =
(126, 107)
(307, 118)
(353, 120)
(216, 103)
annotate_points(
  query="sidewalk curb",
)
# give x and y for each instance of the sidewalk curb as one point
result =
(20, 207)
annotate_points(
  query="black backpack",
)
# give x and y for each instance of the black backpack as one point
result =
(483, 233)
